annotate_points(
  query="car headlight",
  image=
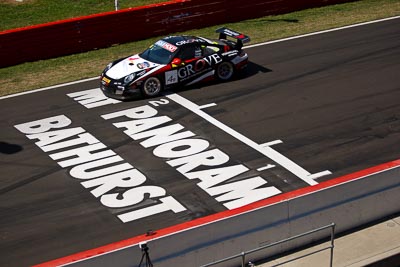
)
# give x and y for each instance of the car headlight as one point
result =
(129, 78)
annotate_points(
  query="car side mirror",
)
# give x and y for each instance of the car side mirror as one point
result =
(176, 62)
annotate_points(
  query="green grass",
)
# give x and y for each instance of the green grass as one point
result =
(44, 73)
(16, 14)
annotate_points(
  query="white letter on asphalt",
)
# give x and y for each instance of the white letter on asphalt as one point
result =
(43, 125)
(243, 192)
(162, 135)
(92, 98)
(167, 203)
(83, 155)
(132, 196)
(207, 158)
(133, 113)
(137, 126)
(215, 176)
(181, 148)
(50, 137)
(85, 171)
(85, 138)
(130, 178)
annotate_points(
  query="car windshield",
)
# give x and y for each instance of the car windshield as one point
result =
(161, 52)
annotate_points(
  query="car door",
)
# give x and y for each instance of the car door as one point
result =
(189, 56)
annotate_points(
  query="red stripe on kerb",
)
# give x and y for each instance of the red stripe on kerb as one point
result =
(91, 16)
(221, 215)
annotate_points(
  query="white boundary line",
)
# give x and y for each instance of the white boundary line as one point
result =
(51, 87)
(321, 32)
(249, 46)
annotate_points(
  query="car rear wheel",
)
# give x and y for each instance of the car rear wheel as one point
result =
(225, 71)
(151, 87)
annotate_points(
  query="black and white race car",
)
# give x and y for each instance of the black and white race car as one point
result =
(175, 61)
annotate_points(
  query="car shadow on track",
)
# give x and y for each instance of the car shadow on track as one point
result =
(254, 68)
(251, 70)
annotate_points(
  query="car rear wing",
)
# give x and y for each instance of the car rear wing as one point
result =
(240, 37)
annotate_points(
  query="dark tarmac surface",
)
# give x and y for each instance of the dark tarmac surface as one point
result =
(332, 99)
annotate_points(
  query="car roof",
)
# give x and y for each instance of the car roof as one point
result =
(183, 40)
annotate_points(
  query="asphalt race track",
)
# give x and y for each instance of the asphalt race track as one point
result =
(309, 110)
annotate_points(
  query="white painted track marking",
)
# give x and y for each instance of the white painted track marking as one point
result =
(319, 175)
(263, 149)
(321, 32)
(207, 105)
(51, 87)
(249, 46)
(272, 143)
(269, 166)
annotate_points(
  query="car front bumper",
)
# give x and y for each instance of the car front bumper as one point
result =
(119, 93)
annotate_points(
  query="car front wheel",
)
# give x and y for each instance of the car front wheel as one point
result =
(151, 87)
(225, 71)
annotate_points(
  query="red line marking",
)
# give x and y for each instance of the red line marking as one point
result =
(221, 215)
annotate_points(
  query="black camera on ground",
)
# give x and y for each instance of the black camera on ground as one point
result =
(143, 246)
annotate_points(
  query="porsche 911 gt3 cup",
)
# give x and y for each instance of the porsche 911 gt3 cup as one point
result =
(175, 61)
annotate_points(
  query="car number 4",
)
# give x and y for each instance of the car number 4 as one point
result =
(171, 77)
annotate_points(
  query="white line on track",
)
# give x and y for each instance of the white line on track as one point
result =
(249, 46)
(269, 166)
(263, 149)
(51, 87)
(321, 32)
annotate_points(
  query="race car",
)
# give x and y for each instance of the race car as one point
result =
(175, 61)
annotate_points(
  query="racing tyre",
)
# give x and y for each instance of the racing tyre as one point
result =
(151, 87)
(225, 71)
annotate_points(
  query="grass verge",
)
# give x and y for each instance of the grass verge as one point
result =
(21, 13)
(44, 73)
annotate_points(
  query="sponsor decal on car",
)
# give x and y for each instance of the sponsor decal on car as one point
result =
(183, 42)
(190, 70)
(143, 65)
(166, 46)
